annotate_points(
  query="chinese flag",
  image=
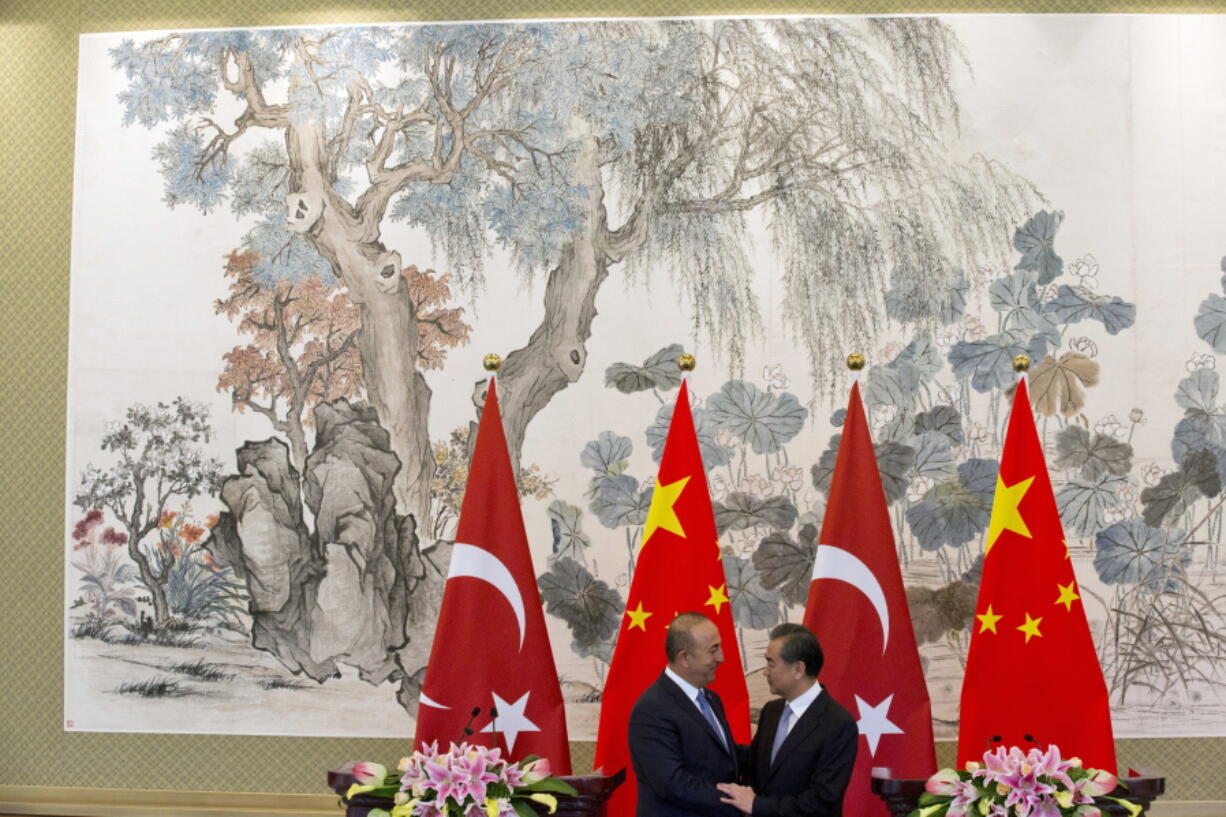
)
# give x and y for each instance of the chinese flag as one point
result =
(858, 609)
(491, 652)
(678, 570)
(1032, 675)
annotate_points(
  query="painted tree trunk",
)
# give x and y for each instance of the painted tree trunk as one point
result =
(136, 531)
(556, 353)
(388, 339)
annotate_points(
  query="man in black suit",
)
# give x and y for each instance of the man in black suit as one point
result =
(805, 747)
(680, 744)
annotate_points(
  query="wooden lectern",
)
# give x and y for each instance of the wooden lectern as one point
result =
(589, 802)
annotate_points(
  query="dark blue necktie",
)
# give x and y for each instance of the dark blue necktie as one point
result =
(711, 719)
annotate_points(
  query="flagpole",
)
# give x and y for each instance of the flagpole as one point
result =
(1021, 365)
(492, 363)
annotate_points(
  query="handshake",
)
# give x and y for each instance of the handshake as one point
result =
(683, 752)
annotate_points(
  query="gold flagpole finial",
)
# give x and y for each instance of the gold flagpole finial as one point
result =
(686, 362)
(855, 361)
(1021, 363)
(492, 362)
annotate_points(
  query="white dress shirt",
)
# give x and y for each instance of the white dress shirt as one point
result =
(800, 703)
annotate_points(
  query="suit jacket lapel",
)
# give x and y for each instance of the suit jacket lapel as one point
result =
(800, 732)
(691, 707)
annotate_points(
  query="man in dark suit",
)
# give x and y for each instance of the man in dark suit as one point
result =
(805, 747)
(680, 744)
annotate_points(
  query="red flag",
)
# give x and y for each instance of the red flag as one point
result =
(491, 650)
(858, 609)
(1032, 675)
(679, 569)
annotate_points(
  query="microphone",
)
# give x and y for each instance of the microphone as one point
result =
(987, 744)
(468, 727)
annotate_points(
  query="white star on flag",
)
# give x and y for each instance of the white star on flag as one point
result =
(511, 720)
(873, 722)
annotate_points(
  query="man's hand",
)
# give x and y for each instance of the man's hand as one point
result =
(739, 796)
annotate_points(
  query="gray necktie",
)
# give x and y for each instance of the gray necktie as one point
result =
(781, 733)
(711, 719)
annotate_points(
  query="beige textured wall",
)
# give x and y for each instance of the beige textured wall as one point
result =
(38, 52)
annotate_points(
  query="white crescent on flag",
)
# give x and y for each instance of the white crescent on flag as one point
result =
(838, 564)
(476, 563)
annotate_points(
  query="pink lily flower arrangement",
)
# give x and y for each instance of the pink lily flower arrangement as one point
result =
(467, 780)
(1013, 783)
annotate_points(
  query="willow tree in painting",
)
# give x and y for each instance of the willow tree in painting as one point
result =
(653, 147)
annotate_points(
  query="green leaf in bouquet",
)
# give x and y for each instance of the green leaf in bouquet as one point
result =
(551, 784)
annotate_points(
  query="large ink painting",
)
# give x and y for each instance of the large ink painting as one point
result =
(293, 247)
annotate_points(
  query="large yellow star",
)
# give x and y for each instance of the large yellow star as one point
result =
(719, 597)
(661, 513)
(1067, 595)
(987, 621)
(1031, 627)
(1005, 515)
(638, 618)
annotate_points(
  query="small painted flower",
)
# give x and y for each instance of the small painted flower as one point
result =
(1200, 361)
(775, 377)
(884, 414)
(790, 477)
(1152, 473)
(755, 485)
(1110, 426)
(1085, 346)
(1137, 415)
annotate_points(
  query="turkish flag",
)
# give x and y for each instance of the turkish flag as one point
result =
(491, 651)
(858, 608)
(1032, 675)
(678, 570)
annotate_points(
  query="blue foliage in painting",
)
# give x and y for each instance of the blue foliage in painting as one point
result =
(989, 362)
(188, 181)
(713, 454)
(283, 255)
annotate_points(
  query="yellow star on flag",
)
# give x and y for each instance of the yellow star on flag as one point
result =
(719, 597)
(661, 513)
(1031, 627)
(1067, 595)
(638, 618)
(988, 621)
(1005, 513)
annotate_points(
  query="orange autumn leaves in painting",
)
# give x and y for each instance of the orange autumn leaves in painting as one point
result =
(304, 338)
